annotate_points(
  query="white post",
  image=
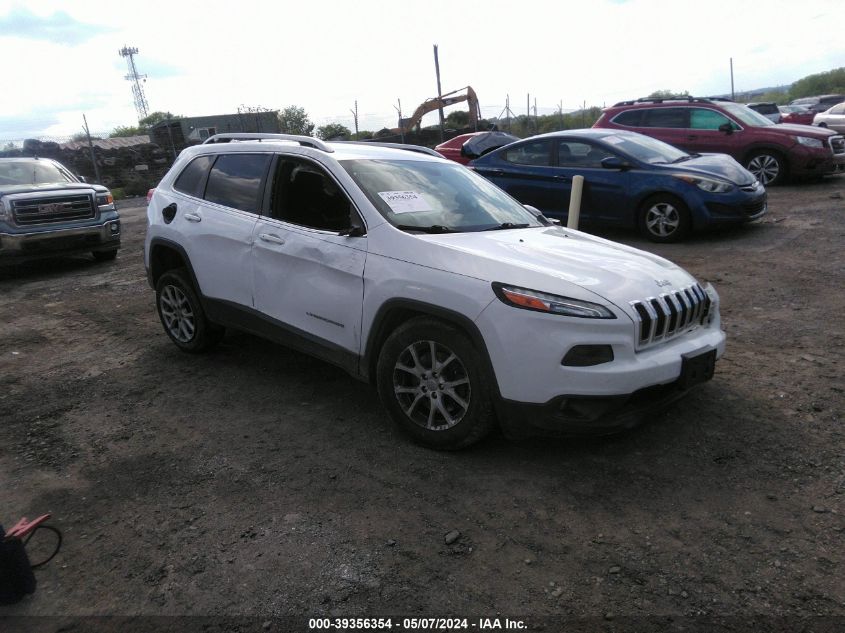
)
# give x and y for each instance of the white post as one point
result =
(575, 202)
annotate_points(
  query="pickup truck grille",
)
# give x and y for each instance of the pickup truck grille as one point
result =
(837, 144)
(35, 211)
(671, 314)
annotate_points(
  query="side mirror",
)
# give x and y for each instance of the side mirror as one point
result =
(81, 178)
(614, 162)
(467, 154)
(727, 128)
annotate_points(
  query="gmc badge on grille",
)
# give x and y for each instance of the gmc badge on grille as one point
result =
(662, 282)
(54, 207)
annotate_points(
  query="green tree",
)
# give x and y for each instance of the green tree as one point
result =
(830, 82)
(127, 130)
(457, 119)
(294, 120)
(157, 117)
(333, 130)
(667, 94)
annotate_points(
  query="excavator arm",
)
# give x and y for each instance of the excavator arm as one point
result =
(450, 98)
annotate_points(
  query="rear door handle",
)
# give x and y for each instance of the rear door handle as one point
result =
(692, 137)
(193, 217)
(560, 178)
(271, 237)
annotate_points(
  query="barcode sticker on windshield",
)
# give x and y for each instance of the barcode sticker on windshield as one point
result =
(405, 201)
(613, 140)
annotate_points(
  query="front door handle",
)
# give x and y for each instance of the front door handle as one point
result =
(561, 178)
(193, 217)
(271, 237)
(692, 137)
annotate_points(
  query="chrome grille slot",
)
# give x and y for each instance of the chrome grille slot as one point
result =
(671, 314)
(48, 210)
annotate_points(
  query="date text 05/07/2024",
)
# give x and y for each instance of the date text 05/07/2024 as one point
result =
(413, 624)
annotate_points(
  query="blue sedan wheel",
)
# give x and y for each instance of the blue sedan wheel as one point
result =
(664, 218)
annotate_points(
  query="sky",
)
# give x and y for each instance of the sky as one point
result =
(60, 60)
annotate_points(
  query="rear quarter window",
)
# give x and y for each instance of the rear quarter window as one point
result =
(193, 176)
(535, 153)
(236, 181)
(630, 118)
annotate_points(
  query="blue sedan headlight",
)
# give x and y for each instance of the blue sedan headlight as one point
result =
(710, 185)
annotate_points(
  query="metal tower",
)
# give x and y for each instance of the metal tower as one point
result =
(141, 105)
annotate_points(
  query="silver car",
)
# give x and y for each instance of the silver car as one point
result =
(833, 118)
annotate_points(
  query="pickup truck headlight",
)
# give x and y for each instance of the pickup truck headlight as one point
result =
(105, 199)
(552, 304)
(5, 216)
(810, 142)
(710, 185)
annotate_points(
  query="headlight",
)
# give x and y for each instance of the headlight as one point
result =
(5, 216)
(705, 184)
(810, 142)
(105, 199)
(553, 304)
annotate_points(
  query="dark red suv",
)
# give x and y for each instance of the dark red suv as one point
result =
(770, 151)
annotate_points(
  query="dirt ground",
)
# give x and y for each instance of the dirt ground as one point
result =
(256, 481)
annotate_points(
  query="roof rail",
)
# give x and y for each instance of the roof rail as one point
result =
(411, 148)
(307, 141)
(686, 98)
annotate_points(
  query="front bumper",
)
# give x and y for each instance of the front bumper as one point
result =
(815, 162)
(20, 245)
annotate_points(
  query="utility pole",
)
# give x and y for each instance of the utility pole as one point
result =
(527, 112)
(401, 126)
(91, 149)
(439, 92)
(355, 117)
(536, 121)
(733, 95)
(560, 113)
(141, 106)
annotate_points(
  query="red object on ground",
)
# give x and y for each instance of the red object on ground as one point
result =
(24, 527)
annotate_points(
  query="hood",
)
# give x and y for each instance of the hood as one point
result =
(715, 165)
(800, 130)
(59, 186)
(549, 259)
(486, 141)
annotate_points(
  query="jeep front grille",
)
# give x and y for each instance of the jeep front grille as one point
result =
(49, 210)
(671, 314)
(837, 144)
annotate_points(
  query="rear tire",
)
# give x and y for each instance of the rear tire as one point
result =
(434, 384)
(664, 218)
(182, 316)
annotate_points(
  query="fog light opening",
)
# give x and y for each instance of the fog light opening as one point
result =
(588, 355)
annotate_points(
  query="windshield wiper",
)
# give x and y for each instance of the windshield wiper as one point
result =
(685, 157)
(434, 228)
(507, 225)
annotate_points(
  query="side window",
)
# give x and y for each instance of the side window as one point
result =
(702, 119)
(304, 194)
(193, 176)
(666, 117)
(235, 181)
(534, 153)
(577, 154)
(630, 118)
(840, 109)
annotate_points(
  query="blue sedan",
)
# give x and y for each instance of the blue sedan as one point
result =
(630, 180)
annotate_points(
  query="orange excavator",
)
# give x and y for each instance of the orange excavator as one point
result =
(450, 98)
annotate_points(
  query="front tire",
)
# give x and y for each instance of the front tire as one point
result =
(664, 218)
(434, 384)
(768, 167)
(182, 316)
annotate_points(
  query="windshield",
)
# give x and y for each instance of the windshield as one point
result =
(645, 149)
(747, 115)
(426, 194)
(31, 172)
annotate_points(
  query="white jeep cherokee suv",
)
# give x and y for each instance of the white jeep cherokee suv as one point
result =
(411, 272)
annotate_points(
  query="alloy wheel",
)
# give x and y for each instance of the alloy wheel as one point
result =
(662, 219)
(177, 313)
(431, 385)
(765, 168)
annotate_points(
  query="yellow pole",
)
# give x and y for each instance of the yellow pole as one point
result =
(575, 202)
